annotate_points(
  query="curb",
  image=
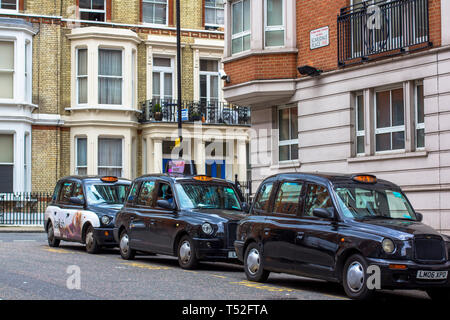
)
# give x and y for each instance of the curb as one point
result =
(22, 229)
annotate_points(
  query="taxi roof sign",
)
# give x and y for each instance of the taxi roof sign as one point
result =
(203, 178)
(365, 178)
(109, 179)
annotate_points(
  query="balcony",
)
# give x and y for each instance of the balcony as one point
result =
(214, 113)
(373, 29)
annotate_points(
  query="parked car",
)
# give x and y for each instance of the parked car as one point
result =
(334, 226)
(191, 217)
(83, 209)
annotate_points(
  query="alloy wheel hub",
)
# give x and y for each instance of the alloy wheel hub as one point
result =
(253, 261)
(185, 251)
(355, 276)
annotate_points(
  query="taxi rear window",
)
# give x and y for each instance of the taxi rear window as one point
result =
(106, 194)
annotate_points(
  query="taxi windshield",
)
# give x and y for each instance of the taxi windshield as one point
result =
(360, 202)
(106, 194)
(207, 196)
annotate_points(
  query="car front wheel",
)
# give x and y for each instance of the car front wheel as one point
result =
(355, 278)
(253, 264)
(52, 241)
(187, 258)
(124, 245)
(91, 243)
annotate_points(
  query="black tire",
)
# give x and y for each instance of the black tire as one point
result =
(253, 264)
(187, 253)
(52, 241)
(124, 246)
(439, 294)
(92, 245)
(355, 278)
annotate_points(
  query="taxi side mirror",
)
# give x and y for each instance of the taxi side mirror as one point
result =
(323, 213)
(246, 207)
(76, 200)
(166, 204)
(419, 216)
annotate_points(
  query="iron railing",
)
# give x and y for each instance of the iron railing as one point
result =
(211, 112)
(23, 208)
(375, 28)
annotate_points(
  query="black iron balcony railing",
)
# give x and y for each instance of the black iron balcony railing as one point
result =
(209, 112)
(370, 29)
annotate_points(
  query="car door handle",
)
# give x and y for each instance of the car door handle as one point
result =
(266, 231)
(67, 215)
(300, 235)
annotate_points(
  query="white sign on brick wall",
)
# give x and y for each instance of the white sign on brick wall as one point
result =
(319, 38)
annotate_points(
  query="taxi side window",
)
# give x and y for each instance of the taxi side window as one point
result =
(78, 191)
(316, 197)
(165, 192)
(262, 199)
(133, 192)
(56, 192)
(288, 197)
(65, 193)
(146, 195)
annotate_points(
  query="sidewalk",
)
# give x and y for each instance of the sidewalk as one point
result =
(21, 229)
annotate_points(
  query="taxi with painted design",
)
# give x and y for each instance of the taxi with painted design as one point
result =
(83, 209)
(356, 230)
(193, 218)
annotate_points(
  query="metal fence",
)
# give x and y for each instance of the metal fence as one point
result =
(23, 208)
(374, 28)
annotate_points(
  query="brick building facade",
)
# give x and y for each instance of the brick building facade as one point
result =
(374, 95)
(95, 73)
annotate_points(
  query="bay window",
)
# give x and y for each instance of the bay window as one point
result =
(109, 76)
(154, 11)
(6, 69)
(214, 12)
(274, 23)
(6, 162)
(110, 157)
(94, 10)
(240, 35)
(287, 133)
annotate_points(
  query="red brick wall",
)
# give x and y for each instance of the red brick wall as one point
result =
(311, 15)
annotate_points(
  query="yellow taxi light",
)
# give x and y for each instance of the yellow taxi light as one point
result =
(365, 178)
(202, 178)
(109, 179)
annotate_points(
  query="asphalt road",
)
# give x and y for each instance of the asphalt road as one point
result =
(30, 269)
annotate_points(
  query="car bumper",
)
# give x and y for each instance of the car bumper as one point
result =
(105, 236)
(213, 250)
(239, 248)
(407, 278)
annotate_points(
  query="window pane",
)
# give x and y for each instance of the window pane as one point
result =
(203, 90)
(210, 16)
(284, 153)
(275, 38)
(109, 152)
(214, 87)
(360, 144)
(82, 152)
(420, 103)
(398, 113)
(82, 90)
(147, 12)
(294, 151)
(398, 140)
(236, 45)
(162, 62)
(160, 14)
(7, 148)
(288, 197)
(8, 4)
(420, 138)
(209, 65)
(246, 43)
(146, 194)
(237, 17)
(109, 91)
(156, 84)
(262, 201)
(85, 4)
(109, 62)
(283, 124)
(220, 16)
(98, 4)
(246, 22)
(274, 12)
(383, 142)
(383, 109)
(360, 106)
(82, 62)
(294, 123)
(92, 16)
(6, 55)
(168, 85)
(317, 197)
(6, 85)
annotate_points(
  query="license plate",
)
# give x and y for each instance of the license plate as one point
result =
(432, 275)
(232, 255)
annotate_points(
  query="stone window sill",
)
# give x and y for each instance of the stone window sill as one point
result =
(250, 53)
(286, 165)
(388, 156)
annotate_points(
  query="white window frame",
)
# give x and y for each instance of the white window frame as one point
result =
(167, 12)
(215, 10)
(9, 10)
(94, 10)
(123, 154)
(133, 77)
(83, 76)
(359, 133)
(12, 71)
(241, 34)
(275, 28)
(110, 77)
(418, 125)
(28, 71)
(162, 71)
(76, 154)
(286, 142)
(208, 75)
(391, 129)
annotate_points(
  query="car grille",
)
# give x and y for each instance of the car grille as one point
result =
(429, 248)
(231, 234)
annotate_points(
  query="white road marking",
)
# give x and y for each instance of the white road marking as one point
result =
(24, 240)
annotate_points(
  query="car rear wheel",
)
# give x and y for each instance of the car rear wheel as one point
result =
(439, 294)
(124, 245)
(52, 241)
(253, 264)
(355, 278)
(91, 243)
(187, 257)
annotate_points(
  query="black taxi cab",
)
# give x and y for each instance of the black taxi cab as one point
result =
(83, 209)
(191, 217)
(357, 230)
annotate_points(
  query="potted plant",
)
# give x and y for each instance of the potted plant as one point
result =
(196, 116)
(157, 114)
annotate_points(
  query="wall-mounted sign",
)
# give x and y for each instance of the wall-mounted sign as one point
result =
(319, 38)
(184, 115)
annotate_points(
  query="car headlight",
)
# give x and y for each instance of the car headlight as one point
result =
(388, 245)
(106, 220)
(207, 228)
